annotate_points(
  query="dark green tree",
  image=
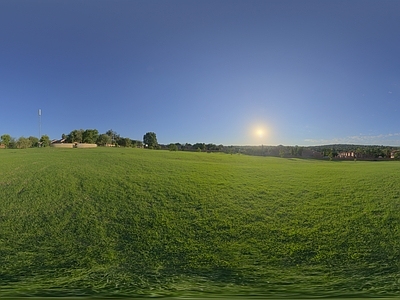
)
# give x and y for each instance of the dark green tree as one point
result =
(212, 147)
(75, 136)
(387, 152)
(200, 146)
(113, 135)
(5, 140)
(103, 139)
(90, 136)
(172, 147)
(124, 142)
(23, 143)
(134, 143)
(34, 141)
(13, 143)
(45, 141)
(150, 140)
(296, 151)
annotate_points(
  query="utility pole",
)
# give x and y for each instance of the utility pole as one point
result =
(40, 125)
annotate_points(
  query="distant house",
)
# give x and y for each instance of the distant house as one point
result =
(58, 141)
(393, 153)
(347, 154)
(61, 144)
(2, 146)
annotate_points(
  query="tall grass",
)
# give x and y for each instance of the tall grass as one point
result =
(132, 222)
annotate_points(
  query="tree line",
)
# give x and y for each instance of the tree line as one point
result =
(90, 136)
(22, 142)
(112, 138)
(360, 151)
(109, 138)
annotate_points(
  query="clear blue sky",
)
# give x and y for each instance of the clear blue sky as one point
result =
(305, 72)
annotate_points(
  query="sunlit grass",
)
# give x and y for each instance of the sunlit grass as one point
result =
(110, 222)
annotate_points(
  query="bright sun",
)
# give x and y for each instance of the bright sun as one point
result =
(259, 132)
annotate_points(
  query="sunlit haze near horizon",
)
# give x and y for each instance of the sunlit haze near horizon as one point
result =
(224, 72)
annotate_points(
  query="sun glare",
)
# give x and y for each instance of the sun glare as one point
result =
(259, 133)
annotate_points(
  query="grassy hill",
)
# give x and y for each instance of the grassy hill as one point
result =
(130, 222)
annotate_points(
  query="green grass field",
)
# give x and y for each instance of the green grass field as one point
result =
(129, 222)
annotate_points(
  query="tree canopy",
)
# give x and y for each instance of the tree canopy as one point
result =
(45, 141)
(150, 139)
(75, 136)
(90, 136)
(23, 143)
(103, 139)
(5, 140)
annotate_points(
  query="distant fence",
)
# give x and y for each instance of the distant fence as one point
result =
(73, 145)
(64, 145)
(86, 145)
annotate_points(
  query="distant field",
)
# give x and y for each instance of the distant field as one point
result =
(108, 222)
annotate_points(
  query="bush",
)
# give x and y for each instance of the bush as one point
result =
(173, 147)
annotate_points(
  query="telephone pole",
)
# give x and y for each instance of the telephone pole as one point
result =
(40, 125)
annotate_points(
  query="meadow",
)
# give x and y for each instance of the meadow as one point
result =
(135, 222)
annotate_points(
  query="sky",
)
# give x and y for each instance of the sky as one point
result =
(225, 72)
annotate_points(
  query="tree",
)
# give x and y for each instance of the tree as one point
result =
(296, 151)
(12, 144)
(75, 136)
(150, 139)
(330, 155)
(5, 140)
(179, 146)
(134, 143)
(124, 142)
(103, 140)
(34, 141)
(45, 141)
(90, 136)
(396, 155)
(387, 152)
(113, 135)
(200, 146)
(212, 147)
(359, 153)
(173, 147)
(23, 143)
